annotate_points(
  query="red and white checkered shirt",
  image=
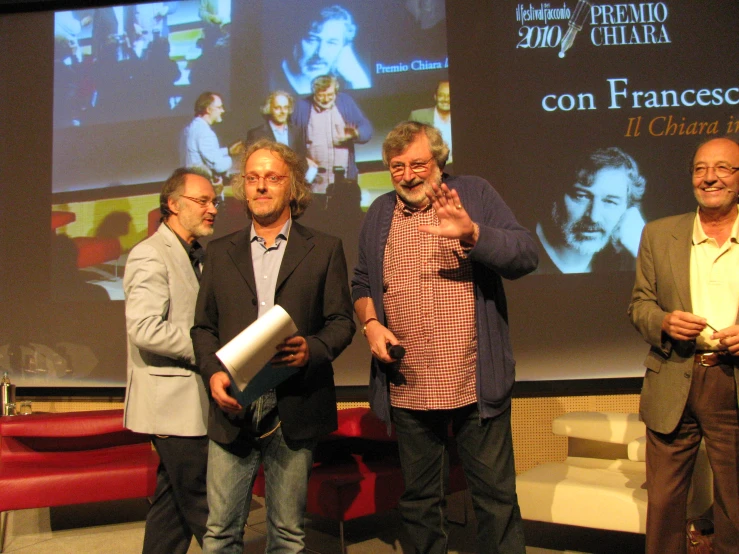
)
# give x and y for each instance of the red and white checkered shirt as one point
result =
(429, 303)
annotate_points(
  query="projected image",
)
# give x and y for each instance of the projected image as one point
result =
(439, 115)
(323, 46)
(142, 89)
(125, 63)
(385, 47)
(525, 118)
(593, 219)
(199, 146)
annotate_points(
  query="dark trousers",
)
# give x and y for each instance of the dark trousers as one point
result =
(486, 450)
(180, 506)
(710, 413)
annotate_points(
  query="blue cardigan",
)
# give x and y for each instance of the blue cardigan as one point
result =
(352, 116)
(504, 249)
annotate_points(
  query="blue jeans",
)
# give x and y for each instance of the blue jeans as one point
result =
(486, 450)
(232, 469)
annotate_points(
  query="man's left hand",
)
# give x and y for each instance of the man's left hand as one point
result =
(728, 338)
(351, 132)
(454, 221)
(292, 352)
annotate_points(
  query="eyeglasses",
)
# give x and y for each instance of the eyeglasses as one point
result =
(398, 168)
(204, 202)
(721, 170)
(252, 179)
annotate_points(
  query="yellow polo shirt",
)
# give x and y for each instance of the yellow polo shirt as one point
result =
(714, 281)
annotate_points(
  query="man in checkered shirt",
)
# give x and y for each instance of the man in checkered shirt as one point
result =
(432, 255)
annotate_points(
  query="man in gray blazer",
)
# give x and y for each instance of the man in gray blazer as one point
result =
(164, 395)
(273, 260)
(685, 304)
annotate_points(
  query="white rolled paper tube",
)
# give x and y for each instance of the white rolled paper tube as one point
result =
(251, 349)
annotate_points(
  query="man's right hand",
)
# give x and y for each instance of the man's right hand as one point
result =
(219, 384)
(683, 325)
(348, 67)
(378, 337)
(627, 233)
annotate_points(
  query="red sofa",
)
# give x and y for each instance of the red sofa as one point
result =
(71, 458)
(356, 471)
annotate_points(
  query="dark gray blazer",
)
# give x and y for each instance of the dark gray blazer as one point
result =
(312, 286)
(294, 136)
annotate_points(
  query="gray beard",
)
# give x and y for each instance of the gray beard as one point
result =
(567, 234)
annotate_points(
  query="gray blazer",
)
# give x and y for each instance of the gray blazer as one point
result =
(662, 285)
(164, 394)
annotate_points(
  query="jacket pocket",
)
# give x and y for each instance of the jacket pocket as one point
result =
(654, 362)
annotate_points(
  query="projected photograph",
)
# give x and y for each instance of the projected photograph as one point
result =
(591, 218)
(143, 89)
(568, 109)
(136, 62)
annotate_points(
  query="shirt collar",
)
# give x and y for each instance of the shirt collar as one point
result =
(283, 234)
(700, 236)
(406, 209)
(275, 128)
(183, 242)
(194, 250)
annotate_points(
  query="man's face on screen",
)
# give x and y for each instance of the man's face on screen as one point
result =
(325, 99)
(216, 110)
(443, 98)
(319, 50)
(590, 211)
(279, 110)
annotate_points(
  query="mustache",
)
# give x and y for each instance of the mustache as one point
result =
(411, 182)
(587, 226)
(315, 59)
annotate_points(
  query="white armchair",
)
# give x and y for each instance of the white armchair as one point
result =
(601, 484)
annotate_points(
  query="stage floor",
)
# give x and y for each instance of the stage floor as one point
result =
(119, 527)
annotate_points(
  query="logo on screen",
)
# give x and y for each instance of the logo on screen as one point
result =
(543, 26)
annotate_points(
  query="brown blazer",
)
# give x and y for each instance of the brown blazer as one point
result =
(662, 285)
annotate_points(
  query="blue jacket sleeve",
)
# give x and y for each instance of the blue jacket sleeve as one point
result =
(504, 246)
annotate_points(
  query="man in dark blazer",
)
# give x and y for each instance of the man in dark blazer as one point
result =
(272, 261)
(685, 304)
(277, 109)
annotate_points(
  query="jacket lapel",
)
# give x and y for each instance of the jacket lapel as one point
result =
(292, 136)
(240, 253)
(299, 243)
(179, 256)
(679, 259)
